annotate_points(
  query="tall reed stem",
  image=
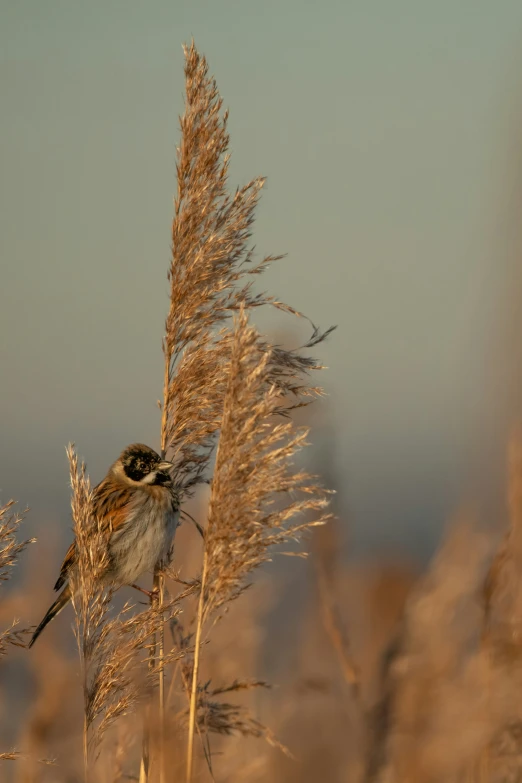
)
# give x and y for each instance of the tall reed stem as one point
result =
(145, 753)
(85, 734)
(157, 649)
(159, 585)
(85, 749)
(195, 672)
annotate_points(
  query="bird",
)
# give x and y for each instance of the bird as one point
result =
(137, 506)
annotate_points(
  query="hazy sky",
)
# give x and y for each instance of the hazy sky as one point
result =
(390, 133)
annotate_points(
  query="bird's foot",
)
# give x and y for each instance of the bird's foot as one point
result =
(151, 594)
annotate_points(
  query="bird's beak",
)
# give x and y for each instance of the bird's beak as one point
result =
(165, 466)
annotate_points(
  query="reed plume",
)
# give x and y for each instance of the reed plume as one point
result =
(254, 467)
(211, 275)
(10, 550)
(257, 499)
(10, 547)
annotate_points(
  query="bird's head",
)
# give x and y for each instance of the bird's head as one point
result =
(139, 464)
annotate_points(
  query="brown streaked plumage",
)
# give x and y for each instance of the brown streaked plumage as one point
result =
(137, 507)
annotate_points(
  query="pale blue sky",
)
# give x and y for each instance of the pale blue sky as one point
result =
(390, 133)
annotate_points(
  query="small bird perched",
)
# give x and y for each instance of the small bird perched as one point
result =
(137, 507)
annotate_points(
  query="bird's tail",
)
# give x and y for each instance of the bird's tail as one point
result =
(54, 610)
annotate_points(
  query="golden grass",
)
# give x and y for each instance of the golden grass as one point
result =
(206, 363)
(10, 551)
(255, 494)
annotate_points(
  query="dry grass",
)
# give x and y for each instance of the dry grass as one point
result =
(254, 467)
(10, 551)
(255, 495)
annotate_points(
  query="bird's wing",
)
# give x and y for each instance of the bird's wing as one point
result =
(111, 507)
(68, 561)
(111, 504)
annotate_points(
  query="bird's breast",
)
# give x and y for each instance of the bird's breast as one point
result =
(143, 540)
